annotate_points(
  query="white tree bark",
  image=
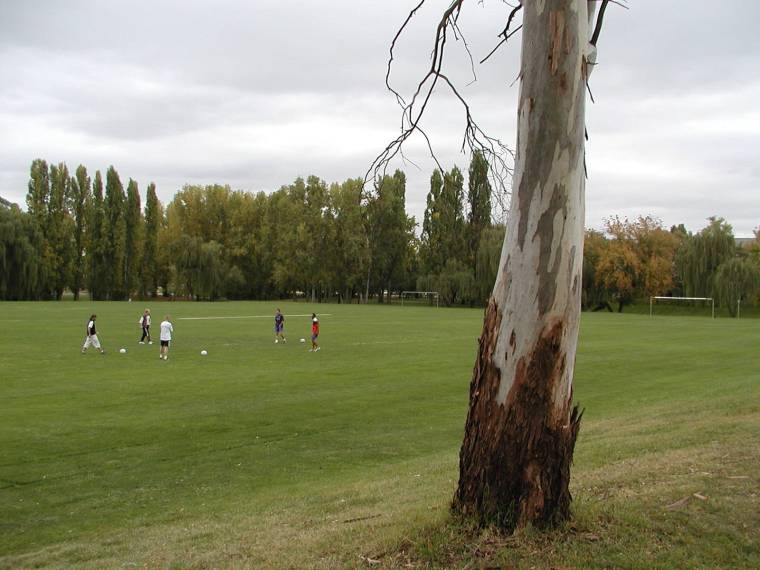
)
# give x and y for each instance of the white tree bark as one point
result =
(542, 256)
(520, 433)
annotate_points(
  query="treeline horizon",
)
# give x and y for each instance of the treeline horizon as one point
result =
(327, 241)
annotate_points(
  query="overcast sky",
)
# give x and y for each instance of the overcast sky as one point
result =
(256, 93)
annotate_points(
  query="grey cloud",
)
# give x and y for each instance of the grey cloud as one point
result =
(256, 93)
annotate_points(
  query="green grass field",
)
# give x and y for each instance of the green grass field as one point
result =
(262, 455)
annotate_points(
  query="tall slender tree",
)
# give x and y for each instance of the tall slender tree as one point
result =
(59, 230)
(115, 236)
(133, 224)
(479, 201)
(79, 198)
(37, 199)
(153, 217)
(96, 242)
(38, 193)
(431, 255)
(451, 216)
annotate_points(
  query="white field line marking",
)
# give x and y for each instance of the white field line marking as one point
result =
(247, 317)
(410, 340)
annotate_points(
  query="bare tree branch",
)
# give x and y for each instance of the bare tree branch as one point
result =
(399, 98)
(599, 19)
(497, 154)
(505, 33)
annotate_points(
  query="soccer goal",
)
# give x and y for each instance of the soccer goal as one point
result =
(418, 297)
(691, 301)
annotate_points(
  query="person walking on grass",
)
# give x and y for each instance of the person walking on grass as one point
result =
(314, 333)
(166, 337)
(279, 327)
(145, 324)
(91, 338)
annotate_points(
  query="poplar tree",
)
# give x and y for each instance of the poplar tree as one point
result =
(451, 215)
(79, 198)
(153, 216)
(59, 230)
(37, 198)
(133, 238)
(431, 258)
(38, 192)
(95, 241)
(115, 236)
(479, 201)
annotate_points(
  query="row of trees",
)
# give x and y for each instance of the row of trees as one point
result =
(208, 242)
(82, 233)
(641, 258)
(78, 233)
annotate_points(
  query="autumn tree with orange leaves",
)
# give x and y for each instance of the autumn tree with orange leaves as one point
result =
(637, 259)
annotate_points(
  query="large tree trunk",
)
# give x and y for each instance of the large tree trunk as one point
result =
(521, 428)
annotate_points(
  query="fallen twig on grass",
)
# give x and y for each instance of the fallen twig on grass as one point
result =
(678, 504)
(361, 518)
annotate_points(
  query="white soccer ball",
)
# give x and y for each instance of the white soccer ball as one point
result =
(204, 352)
(303, 340)
(123, 350)
(276, 341)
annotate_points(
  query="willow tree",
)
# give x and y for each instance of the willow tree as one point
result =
(701, 254)
(521, 426)
(736, 280)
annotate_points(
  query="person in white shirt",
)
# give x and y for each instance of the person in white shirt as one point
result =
(145, 324)
(91, 338)
(166, 336)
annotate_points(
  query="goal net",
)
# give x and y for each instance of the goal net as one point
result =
(429, 298)
(702, 306)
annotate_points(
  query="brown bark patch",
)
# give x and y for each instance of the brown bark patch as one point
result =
(556, 31)
(514, 465)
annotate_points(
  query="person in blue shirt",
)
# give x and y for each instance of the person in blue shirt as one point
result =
(279, 327)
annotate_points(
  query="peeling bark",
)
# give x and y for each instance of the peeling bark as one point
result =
(521, 428)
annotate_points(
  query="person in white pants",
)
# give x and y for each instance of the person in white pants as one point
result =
(92, 336)
(166, 337)
(145, 324)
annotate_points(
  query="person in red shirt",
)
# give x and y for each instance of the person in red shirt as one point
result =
(314, 333)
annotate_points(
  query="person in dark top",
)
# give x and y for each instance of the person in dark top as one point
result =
(279, 327)
(145, 324)
(92, 336)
